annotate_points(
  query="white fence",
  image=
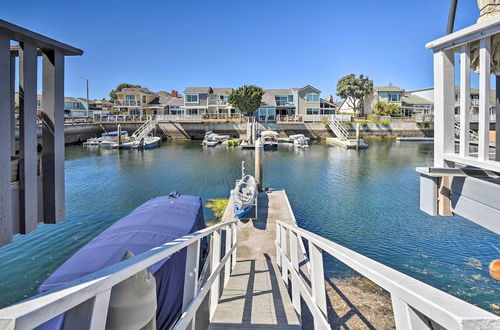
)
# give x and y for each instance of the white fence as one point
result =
(472, 41)
(86, 300)
(313, 118)
(416, 305)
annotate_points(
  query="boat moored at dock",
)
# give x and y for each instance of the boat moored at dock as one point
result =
(244, 195)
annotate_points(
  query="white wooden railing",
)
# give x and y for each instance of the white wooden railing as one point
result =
(91, 293)
(416, 305)
(463, 42)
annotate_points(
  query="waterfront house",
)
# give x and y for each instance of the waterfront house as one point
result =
(138, 101)
(73, 106)
(428, 94)
(409, 105)
(207, 100)
(292, 102)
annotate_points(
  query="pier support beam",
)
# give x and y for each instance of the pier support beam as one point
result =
(28, 159)
(259, 150)
(53, 136)
(6, 146)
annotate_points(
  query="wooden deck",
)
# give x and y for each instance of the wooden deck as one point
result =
(255, 296)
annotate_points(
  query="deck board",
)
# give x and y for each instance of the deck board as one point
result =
(255, 296)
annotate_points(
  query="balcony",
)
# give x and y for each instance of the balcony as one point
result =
(217, 102)
(127, 103)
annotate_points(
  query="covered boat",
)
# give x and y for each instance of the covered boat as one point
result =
(110, 139)
(244, 196)
(269, 139)
(154, 223)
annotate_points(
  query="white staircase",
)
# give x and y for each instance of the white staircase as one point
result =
(473, 136)
(145, 129)
(338, 129)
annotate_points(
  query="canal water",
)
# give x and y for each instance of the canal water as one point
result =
(366, 200)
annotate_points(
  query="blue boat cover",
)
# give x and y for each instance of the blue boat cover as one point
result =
(156, 222)
(113, 133)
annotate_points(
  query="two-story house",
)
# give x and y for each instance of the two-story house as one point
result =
(288, 102)
(203, 100)
(138, 101)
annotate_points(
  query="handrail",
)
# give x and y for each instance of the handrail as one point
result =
(45, 306)
(410, 296)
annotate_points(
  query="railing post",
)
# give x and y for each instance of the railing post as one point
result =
(406, 317)
(278, 244)
(484, 98)
(214, 263)
(284, 267)
(53, 136)
(464, 100)
(191, 277)
(6, 136)
(294, 256)
(91, 314)
(234, 232)
(444, 105)
(317, 280)
(28, 158)
(227, 266)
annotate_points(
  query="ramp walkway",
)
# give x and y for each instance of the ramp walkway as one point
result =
(255, 297)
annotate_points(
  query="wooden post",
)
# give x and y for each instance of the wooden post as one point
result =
(28, 209)
(444, 106)
(235, 238)
(13, 123)
(444, 197)
(464, 100)
(284, 268)
(53, 136)
(191, 277)
(6, 146)
(294, 257)
(484, 98)
(227, 266)
(317, 281)
(357, 135)
(259, 149)
(214, 263)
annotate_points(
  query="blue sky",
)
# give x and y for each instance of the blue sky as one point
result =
(166, 45)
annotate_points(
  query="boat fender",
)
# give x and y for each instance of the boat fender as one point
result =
(132, 304)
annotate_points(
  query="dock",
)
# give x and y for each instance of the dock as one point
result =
(255, 296)
(347, 143)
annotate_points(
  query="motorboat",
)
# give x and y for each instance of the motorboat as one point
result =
(148, 142)
(110, 139)
(269, 139)
(299, 140)
(158, 221)
(244, 196)
(212, 139)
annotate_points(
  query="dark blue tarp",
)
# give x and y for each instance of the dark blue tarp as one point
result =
(113, 133)
(158, 221)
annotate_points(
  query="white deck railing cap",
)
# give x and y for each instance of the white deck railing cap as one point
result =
(470, 33)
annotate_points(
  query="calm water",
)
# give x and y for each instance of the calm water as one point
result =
(367, 201)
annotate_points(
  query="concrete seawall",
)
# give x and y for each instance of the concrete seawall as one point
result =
(79, 133)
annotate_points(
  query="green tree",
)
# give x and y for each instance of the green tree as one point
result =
(354, 89)
(112, 94)
(247, 98)
(387, 109)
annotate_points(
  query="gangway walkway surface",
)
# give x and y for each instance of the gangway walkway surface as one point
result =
(255, 297)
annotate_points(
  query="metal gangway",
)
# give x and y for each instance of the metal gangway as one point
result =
(338, 129)
(145, 129)
(260, 273)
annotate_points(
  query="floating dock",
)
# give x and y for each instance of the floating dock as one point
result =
(255, 296)
(415, 139)
(347, 144)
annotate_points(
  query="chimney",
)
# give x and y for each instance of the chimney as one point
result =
(174, 93)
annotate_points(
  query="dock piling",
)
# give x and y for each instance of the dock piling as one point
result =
(259, 149)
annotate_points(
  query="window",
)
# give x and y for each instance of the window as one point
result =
(130, 97)
(394, 97)
(192, 98)
(312, 97)
(282, 100)
(312, 111)
(290, 98)
(144, 99)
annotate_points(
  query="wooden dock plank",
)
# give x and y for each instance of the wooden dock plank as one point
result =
(255, 296)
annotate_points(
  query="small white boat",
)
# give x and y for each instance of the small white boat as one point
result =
(148, 142)
(212, 142)
(244, 196)
(211, 137)
(299, 140)
(269, 139)
(110, 139)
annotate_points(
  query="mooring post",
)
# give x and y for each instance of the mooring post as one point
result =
(259, 149)
(119, 135)
(357, 136)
